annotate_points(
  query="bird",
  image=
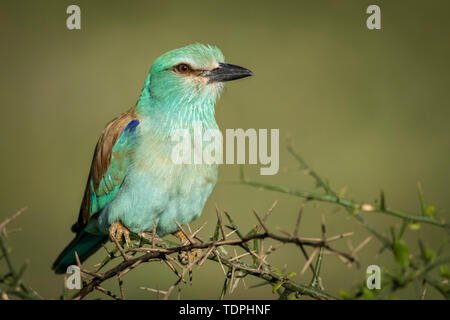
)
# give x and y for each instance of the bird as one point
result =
(133, 183)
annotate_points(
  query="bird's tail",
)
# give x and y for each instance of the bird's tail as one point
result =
(84, 244)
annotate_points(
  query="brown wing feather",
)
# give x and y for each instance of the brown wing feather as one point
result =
(100, 163)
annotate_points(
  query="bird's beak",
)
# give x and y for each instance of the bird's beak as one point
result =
(227, 72)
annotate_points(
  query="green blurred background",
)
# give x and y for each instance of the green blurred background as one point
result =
(367, 109)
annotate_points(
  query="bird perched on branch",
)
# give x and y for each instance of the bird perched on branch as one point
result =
(133, 182)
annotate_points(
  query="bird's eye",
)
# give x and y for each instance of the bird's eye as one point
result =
(183, 68)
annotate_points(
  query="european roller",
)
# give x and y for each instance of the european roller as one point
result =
(133, 181)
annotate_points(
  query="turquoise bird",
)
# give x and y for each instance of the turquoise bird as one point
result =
(133, 181)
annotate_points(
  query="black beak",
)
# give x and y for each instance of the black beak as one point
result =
(227, 72)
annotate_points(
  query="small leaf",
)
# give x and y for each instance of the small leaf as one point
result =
(414, 226)
(431, 211)
(277, 286)
(445, 272)
(216, 231)
(401, 253)
(291, 274)
(368, 294)
(292, 297)
(224, 288)
(277, 271)
(345, 294)
(430, 254)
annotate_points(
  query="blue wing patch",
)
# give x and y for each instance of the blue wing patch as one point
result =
(131, 126)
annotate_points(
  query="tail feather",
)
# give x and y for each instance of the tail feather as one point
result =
(84, 244)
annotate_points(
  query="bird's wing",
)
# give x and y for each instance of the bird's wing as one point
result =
(112, 156)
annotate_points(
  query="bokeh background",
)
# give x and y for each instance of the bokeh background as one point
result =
(369, 110)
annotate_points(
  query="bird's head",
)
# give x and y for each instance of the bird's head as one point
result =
(193, 75)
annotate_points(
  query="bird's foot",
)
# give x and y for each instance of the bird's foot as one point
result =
(117, 230)
(183, 239)
(188, 256)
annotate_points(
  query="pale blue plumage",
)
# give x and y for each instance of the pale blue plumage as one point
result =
(133, 178)
(155, 187)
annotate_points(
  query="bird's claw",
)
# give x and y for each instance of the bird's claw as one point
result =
(183, 239)
(117, 230)
(188, 256)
